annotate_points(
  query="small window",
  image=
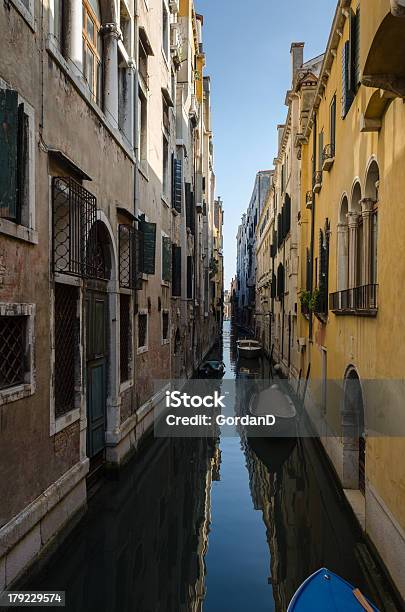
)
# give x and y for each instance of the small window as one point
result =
(92, 49)
(142, 331)
(165, 326)
(125, 336)
(143, 63)
(12, 351)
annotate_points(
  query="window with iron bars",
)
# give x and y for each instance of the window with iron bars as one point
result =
(125, 336)
(66, 347)
(13, 361)
(142, 330)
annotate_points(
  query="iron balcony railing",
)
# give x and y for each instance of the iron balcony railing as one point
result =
(358, 300)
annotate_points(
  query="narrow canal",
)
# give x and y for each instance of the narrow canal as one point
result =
(196, 524)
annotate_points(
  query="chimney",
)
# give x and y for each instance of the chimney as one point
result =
(297, 59)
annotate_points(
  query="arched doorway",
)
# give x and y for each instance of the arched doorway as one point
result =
(99, 264)
(353, 433)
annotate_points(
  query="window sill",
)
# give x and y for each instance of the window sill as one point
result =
(127, 384)
(13, 394)
(175, 212)
(165, 283)
(165, 200)
(83, 91)
(25, 13)
(166, 341)
(19, 232)
(64, 421)
(141, 350)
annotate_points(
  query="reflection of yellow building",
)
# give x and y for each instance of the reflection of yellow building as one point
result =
(352, 262)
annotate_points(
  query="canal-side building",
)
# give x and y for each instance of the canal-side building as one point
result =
(352, 263)
(99, 268)
(285, 242)
(246, 252)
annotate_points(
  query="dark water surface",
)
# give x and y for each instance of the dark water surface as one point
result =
(209, 525)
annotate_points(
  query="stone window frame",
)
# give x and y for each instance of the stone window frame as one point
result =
(28, 388)
(27, 13)
(26, 233)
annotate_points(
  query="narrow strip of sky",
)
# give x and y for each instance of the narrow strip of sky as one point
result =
(247, 45)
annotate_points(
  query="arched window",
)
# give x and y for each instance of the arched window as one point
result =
(92, 47)
(356, 241)
(371, 204)
(343, 247)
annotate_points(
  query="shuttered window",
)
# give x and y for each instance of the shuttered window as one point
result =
(148, 231)
(347, 95)
(176, 184)
(308, 271)
(287, 206)
(14, 135)
(125, 337)
(354, 73)
(166, 259)
(128, 266)
(176, 270)
(332, 123)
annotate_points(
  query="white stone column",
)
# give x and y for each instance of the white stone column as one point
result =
(127, 103)
(73, 16)
(367, 205)
(343, 256)
(111, 33)
(353, 225)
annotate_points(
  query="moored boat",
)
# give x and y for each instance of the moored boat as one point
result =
(324, 591)
(273, 401)
(249, 349)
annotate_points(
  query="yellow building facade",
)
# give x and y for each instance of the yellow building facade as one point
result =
(352, 265)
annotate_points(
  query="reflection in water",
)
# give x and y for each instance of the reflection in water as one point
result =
(192, 526)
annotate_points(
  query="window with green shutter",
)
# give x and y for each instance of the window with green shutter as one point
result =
(354, 72)
(148, 231)
(347, 95)
(166, 259)
(177, 184)
(14, 140)
(8, 153)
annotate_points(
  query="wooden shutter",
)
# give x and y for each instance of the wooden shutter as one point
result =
(320, 152)
(190, 208)
(287, 205)
(8, 153)
(176, 184)
(22, 157)
(279, 230)
(347, 95)
(332, 122)
(166, 259)
(308, 271)
(190, 266)
(176, 270)
(149, 246)
(354, 71)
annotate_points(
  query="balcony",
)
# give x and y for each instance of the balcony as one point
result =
(328, 157)
(308, 200)
(317, 181)
(360, 301)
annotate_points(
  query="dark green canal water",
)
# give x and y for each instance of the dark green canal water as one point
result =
(196, 524)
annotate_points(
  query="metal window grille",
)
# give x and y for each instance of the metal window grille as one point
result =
(165, 325)
(128, 256)
(66, 346)
(142, 330)
(125, 336)
(12, 350)
(75, 242)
